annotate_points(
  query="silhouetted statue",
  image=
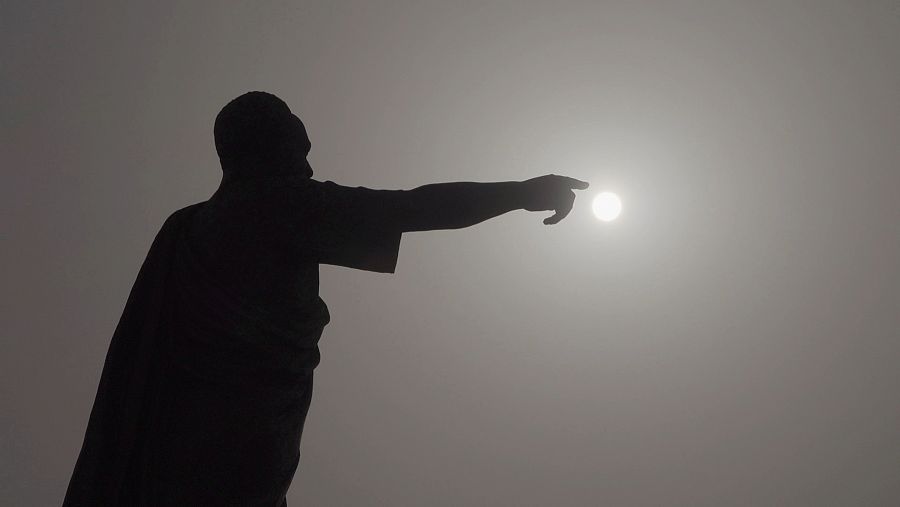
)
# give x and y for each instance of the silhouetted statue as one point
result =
(209, 373)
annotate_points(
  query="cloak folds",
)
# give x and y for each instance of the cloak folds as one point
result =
(115, 427)
(202, 397)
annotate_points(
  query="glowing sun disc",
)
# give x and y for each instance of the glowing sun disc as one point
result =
(606, 206)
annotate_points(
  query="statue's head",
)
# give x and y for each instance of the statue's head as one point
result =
(257, 135)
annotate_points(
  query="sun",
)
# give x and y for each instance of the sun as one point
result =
(606, 206)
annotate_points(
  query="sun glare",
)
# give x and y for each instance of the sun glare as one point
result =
(606, 206)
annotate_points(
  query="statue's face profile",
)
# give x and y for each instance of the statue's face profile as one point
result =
(256, 134)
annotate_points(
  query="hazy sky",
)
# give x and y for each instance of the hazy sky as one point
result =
(732, 339)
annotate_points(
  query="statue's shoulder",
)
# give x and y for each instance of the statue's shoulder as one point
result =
(186, 211)
(180, 216)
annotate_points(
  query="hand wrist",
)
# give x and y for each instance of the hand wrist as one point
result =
(520, 194)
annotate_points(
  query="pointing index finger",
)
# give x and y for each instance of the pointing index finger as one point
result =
(576, 184)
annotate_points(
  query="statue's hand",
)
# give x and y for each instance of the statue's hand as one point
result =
(551, 193)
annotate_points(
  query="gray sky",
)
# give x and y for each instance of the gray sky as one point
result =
(732, 339)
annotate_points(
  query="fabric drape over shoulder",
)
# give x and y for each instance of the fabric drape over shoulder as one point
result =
(125, 394)
(203, 395)
(208, 377)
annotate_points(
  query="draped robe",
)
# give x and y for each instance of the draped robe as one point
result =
(208, 377)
